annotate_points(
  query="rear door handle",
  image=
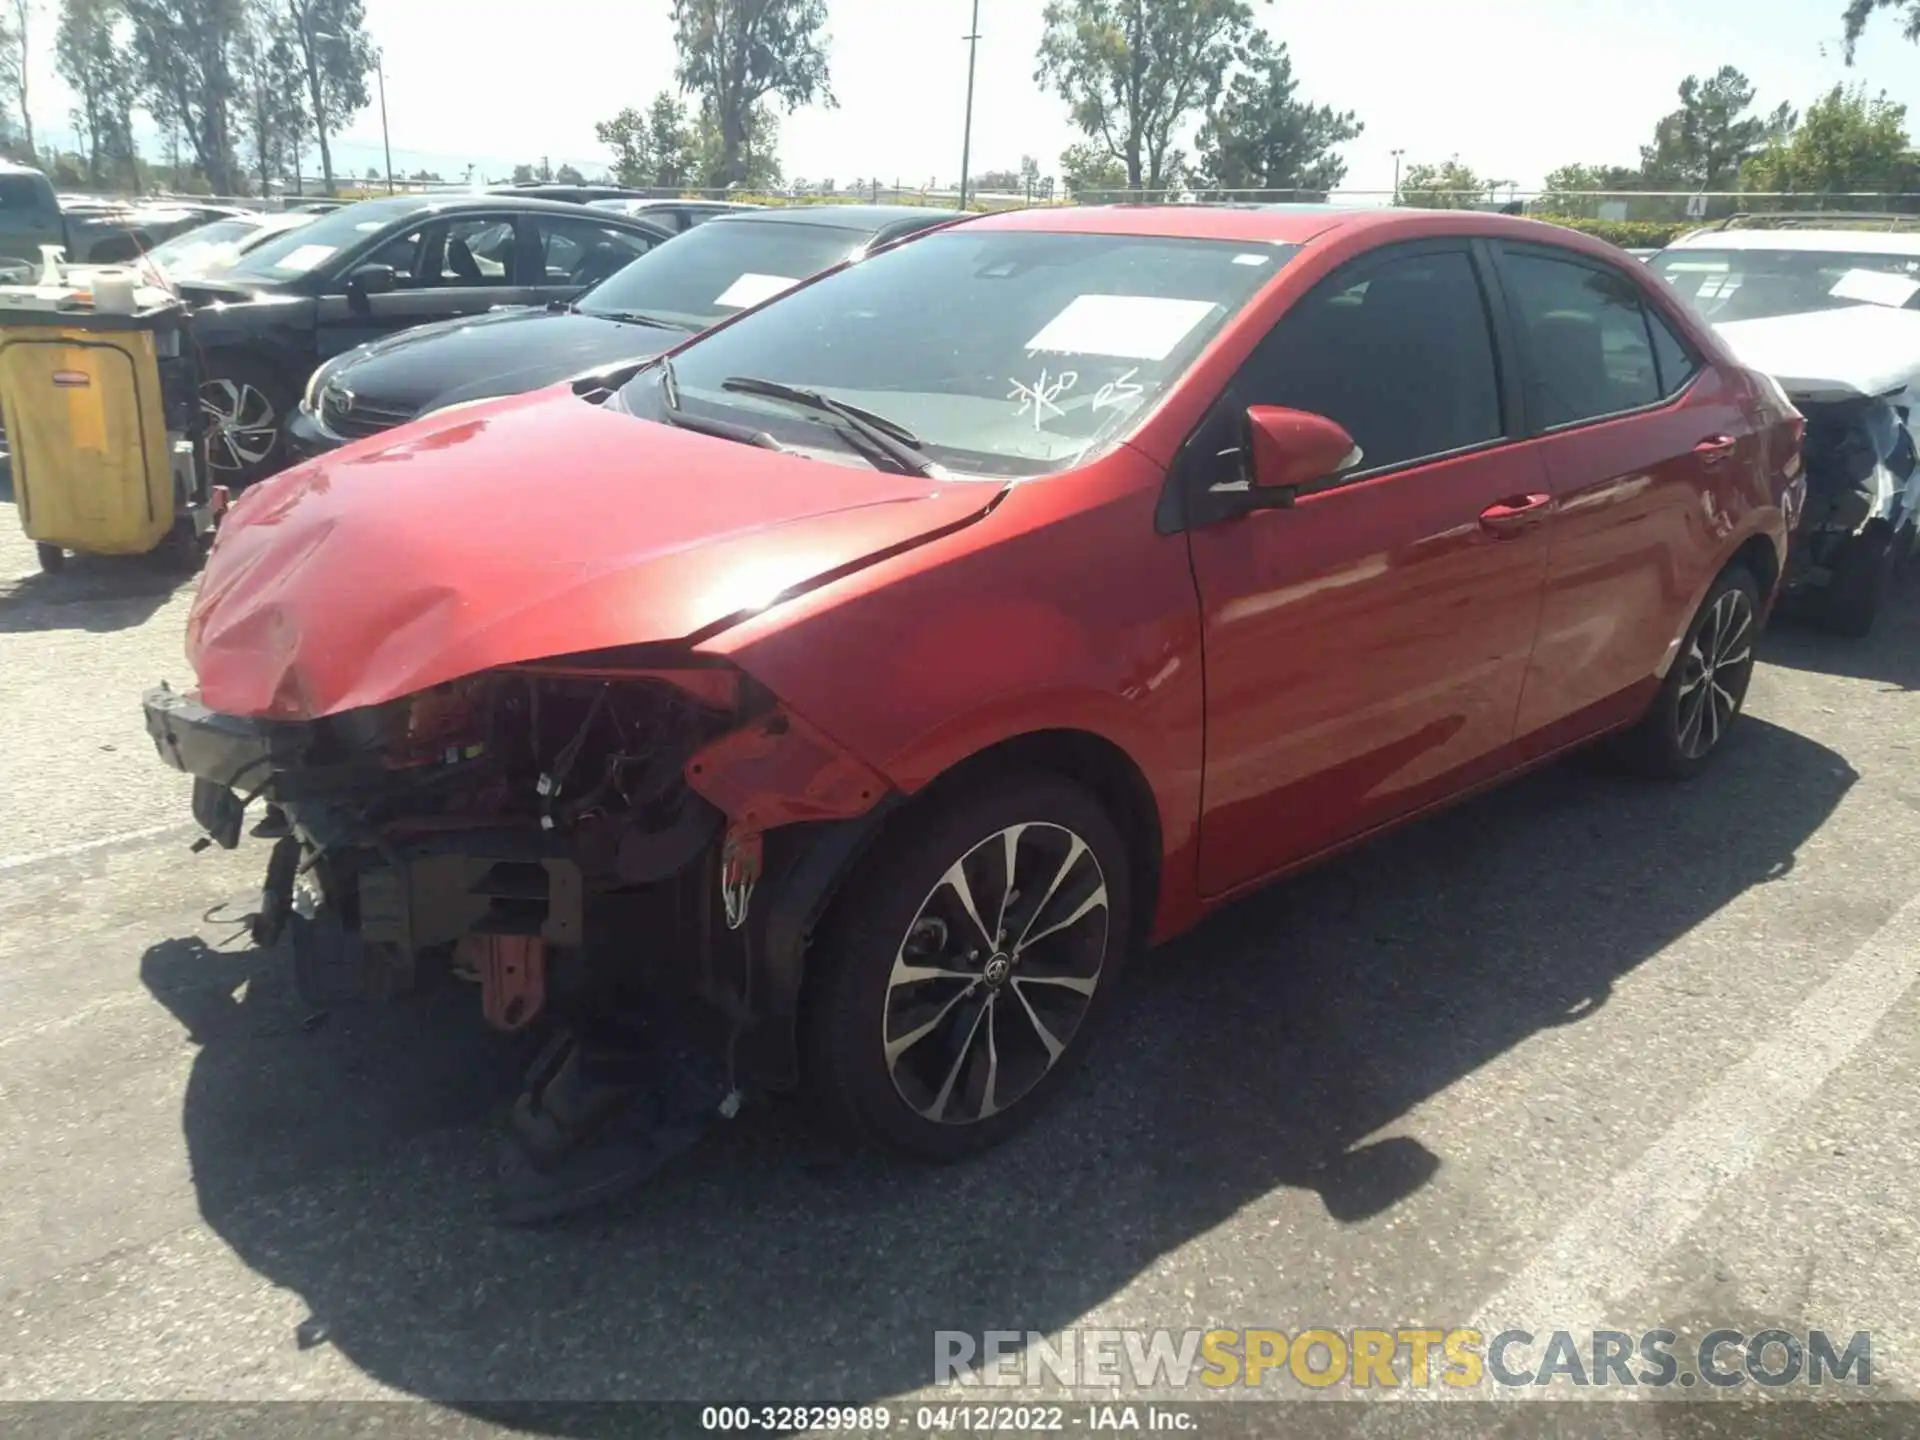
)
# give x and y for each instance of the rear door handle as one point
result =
(1715, 448)
(1514, 515)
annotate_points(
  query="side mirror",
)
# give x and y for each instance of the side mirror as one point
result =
(371, 280)
(1292, 450)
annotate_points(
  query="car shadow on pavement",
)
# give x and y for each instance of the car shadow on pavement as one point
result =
(1889, 656)
(93, 592)
(348, 1157)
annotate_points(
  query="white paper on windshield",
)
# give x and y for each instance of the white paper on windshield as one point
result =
(750, 289)
(1251, 259)
(303, 259)
(1121, 327)
(1875, 287)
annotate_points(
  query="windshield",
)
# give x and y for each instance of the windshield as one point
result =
(1728, 285)
(714, 271)
(289, 256)
(216, 245)
(1001, 352)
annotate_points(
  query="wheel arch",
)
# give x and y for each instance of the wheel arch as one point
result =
(1759, 552)
(820, 861)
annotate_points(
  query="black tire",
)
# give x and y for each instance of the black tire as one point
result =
(52, 558)
(246, 403)
(856, 1011)
(1713, 668)
(1861, 575)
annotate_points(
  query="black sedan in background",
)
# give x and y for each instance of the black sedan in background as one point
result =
(714, 270)
(366, 270)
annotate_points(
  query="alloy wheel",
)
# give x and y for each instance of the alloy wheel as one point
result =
(996, 973)
(243, 424)
(1713, 679)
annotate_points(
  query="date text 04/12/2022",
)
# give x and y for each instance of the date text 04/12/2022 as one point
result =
(947, 1418)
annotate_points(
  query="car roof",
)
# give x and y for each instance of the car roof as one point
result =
(1834, 242)
(843, 217)
(401, 207)
(1286, 224)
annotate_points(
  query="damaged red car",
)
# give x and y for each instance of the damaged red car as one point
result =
(835, 702)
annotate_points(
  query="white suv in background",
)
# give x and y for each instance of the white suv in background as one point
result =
(1830, 306)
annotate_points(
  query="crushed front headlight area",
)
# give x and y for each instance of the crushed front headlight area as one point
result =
(631, 857)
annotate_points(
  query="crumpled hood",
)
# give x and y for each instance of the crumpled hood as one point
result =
(530, 527)
(502, 352)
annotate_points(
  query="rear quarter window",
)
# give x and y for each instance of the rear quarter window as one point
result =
(20, 193)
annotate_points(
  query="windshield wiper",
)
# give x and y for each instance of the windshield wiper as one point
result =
(877, 436)
(637, 317)
(700, 424)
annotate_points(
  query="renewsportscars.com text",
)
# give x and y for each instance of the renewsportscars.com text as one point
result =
(1364, 1359)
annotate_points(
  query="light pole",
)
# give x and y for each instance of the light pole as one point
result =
(1396, 175)
(966, 141)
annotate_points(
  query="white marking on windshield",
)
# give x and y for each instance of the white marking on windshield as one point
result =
(1116, 393)
(1038, 399)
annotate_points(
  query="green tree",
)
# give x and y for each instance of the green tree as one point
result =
(1702, 145)
(671, 141)
(91, 55)
(337, 55)
(268, 78)
(525, 174)
(754, 165)
(1848, 141)
(568, 175)
(16, 60)
(654, 149)
(185, 50)
(1135, 72)
(1089, 170)
(1858, 12)
(737, 55)
(1451, 186)
(1261, 136)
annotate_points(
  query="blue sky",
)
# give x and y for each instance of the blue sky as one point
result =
(1513, 88)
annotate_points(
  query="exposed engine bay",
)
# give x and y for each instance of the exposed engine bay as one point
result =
(582, 842)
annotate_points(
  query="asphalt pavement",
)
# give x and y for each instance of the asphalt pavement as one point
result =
(1583, 1052)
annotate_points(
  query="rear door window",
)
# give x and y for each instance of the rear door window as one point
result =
(1585, 332)
(22, 195)
(577, 252)
(1676, 362)
(1400, 353)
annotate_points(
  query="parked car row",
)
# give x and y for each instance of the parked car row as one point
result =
(902, 645)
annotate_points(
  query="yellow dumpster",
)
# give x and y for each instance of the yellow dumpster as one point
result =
(103, 423)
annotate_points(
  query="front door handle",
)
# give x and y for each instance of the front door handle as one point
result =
(1715, 448)
(1515, 515)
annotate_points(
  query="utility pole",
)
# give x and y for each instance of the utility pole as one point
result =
(1396, 175)
(966, 142)
(386, 142)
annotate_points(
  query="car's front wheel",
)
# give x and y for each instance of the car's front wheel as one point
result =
(959, 979)
(246, 406)
(1705, 687)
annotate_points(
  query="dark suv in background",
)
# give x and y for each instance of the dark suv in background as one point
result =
(720, 268)
(371, 268)
(30, 220)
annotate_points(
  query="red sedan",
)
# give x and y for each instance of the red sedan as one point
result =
(859, 684)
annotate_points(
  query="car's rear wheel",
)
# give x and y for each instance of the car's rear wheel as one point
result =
(1706, 686)
(960, 978)
(246, 406)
